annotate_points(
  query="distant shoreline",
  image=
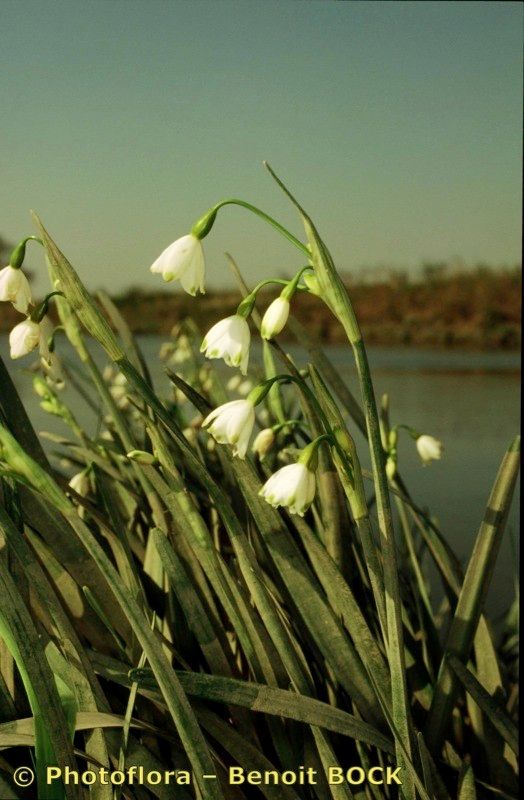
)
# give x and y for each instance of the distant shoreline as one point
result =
(477, 310)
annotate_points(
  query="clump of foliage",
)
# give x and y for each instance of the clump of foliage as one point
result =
(158, 612)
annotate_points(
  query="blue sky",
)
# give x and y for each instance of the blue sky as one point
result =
(398, 126)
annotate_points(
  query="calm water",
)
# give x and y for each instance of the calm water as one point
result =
(468, 400)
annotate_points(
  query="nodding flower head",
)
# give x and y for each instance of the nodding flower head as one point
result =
(429, 448)
(292, 486)
(275, 318)
(229, 339)
(232, 423)
(183, 260)
(14, 288)
(28, 335)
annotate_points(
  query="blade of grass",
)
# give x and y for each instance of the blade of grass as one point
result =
(260, 698)
(495, 712)
(176, 701)
(52, 742)
(473, 594)
(80, 674)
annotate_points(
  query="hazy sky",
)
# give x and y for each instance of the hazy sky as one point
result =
(398, 126)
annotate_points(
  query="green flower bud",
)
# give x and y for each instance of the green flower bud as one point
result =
(141, 456)
(391, 467)
(311, 281)
(393, 439)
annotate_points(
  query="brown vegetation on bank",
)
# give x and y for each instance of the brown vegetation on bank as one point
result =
(478, 308)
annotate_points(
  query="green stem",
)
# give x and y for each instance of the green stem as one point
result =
(270, 220)
(245, 307)
(41, 310)
(16, 258)
(395, 644)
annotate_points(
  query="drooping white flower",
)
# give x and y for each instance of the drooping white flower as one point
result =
(24, 338)
(183, 260)
(429, 448)
(292, 486)
(229, 339)
(232, 423)
(14, 288)
(275, 318)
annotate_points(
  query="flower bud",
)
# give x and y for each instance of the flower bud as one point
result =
(391, 467)
(141, 456)
(344, 440)
(311, 281)
(40, 386)
(275, 318)
(263, 443)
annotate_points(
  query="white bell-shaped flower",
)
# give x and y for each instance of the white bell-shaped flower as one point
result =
(183, 260)
(429, 448)
(24, 338)
(229, 339)
(292, 486)
(232, 423)
(15, 289)
(275, 318)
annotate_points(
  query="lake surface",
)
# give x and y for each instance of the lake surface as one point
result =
(469, 400)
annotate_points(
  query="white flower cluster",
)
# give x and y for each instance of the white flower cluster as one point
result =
(36, 330)
(232, 423)
(229, 339)
(29, 334)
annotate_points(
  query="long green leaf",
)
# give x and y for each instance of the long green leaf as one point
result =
(53, 745)
(176, 700)
(473, 594)
(495, 712)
